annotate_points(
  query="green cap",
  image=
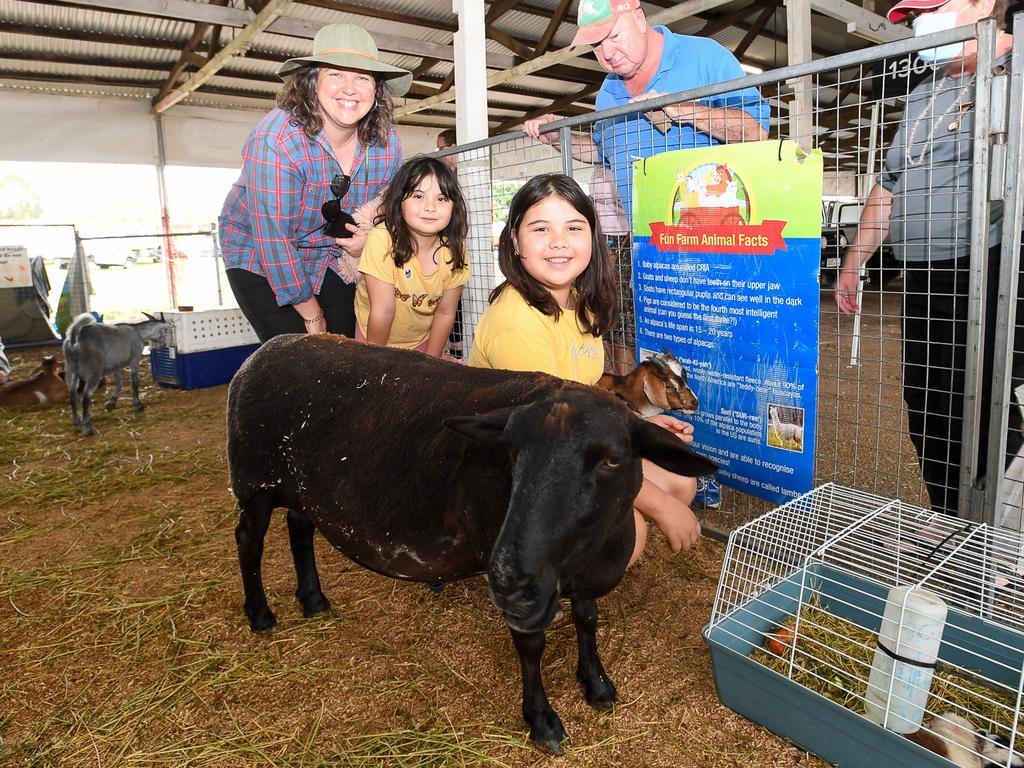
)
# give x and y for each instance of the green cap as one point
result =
(595, 19)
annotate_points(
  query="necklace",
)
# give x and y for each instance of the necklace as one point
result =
(929, 112)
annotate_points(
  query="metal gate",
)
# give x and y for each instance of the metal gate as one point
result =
(850, 107)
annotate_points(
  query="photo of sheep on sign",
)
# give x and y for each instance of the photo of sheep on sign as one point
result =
(785, 427)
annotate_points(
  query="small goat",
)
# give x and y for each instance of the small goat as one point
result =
(92, 351)
(658, 384)
(44, 385)
(784, 432)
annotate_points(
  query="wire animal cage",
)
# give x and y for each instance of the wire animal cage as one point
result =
(796, 627)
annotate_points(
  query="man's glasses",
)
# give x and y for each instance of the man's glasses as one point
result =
(335, 217)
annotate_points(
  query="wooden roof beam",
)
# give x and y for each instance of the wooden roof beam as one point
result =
(239, 45)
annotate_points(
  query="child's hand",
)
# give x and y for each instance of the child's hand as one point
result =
(680, 526)
(353, 246)
(681, 429)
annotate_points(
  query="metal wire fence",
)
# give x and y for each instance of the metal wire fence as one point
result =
(877, 412)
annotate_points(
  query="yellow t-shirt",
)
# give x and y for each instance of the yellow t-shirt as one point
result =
(517, 337)
(416, 295)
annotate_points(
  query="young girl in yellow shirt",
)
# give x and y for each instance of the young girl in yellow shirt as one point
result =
(414, 264)
(557, 300)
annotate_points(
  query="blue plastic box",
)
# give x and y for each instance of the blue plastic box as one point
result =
(814, 722)
(197, 369)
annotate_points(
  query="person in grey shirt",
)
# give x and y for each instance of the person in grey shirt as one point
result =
(923, 203)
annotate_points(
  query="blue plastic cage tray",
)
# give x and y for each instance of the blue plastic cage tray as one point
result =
(197, 369)
(774, 563)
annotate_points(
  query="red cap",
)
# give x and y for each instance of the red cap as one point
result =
(597, 17)
(899, 11)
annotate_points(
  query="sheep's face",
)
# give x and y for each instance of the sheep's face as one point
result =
(576, 468)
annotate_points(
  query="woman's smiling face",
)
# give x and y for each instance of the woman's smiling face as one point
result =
(345, 95)
(554, 240)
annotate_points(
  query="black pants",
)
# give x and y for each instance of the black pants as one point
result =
(934, 360)
(256, 300)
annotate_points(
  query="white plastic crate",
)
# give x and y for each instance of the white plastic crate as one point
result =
(209, 329)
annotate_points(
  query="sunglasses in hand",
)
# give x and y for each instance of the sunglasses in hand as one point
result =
(335, 216)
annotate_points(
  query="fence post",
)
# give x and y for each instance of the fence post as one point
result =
(1004, 492)
(214, 235)
(972, 504)
(565, 144)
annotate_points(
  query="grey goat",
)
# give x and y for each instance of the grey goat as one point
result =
(93, 350)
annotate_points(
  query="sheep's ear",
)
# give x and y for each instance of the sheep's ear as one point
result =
(666, 450)
(485, 427)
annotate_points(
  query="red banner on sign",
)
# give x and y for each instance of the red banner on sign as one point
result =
(761, 239)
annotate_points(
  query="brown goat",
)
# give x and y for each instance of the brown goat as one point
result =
(658, 384)
(43, 385)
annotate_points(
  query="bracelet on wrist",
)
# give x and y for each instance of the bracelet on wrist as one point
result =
(312, 320)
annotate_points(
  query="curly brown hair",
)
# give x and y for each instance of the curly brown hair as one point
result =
(298, 96)
(597, 301)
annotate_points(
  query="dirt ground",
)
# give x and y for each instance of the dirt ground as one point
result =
(123, 641)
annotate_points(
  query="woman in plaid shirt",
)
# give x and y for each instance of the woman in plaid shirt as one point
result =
(328, 150)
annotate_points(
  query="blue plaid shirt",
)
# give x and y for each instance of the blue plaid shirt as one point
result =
(271, 218)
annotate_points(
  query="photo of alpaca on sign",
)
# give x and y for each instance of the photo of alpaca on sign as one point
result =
(786, 428)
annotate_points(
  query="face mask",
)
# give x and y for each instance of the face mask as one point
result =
(928, 23)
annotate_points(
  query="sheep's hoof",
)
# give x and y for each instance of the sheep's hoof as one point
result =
(315, 606)
(262, 619)
(550, 747)
(139, 407)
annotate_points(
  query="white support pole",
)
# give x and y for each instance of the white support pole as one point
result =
(798, 29)
(474, 167)
(876, 129)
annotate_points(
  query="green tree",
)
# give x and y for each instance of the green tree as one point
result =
(502, 193)
(18, 201)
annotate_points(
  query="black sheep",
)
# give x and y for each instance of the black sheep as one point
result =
(368, 445)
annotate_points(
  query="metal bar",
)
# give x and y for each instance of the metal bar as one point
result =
(565, 144)
(773, 77)
(969, 507)
(996, 490)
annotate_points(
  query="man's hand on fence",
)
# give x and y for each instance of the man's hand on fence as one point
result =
(532, 128)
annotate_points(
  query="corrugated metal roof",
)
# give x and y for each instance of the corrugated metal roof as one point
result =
(52, 47)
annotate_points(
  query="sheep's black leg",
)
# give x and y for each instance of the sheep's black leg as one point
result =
(136, 403)
(118, 383)
(599, 690)
(307, 590)
(90, 390)
(249, 535)
(546, 729)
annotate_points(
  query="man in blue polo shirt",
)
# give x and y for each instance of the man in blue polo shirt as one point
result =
(644, 62)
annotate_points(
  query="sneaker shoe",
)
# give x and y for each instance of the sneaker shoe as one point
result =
(709, 494)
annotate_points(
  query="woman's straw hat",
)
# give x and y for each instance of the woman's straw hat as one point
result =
(350, 47)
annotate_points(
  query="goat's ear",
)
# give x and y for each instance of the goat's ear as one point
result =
(654, 389)
(657, 444)
(485, 427)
